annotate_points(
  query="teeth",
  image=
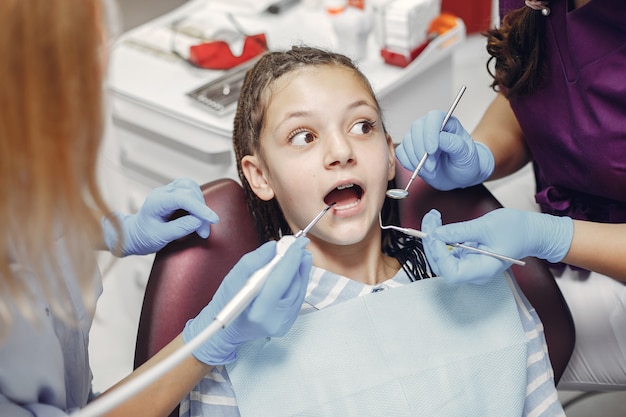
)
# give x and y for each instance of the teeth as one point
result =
(343, 187)
(347, 206)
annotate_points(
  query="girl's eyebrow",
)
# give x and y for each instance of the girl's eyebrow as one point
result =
(305, 113)
(360, 103)
(302, 113)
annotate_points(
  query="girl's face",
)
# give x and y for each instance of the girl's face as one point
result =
(322, 143)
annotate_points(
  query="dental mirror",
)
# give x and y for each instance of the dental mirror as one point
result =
(399, 193)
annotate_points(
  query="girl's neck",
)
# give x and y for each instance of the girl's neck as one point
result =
(363, 262)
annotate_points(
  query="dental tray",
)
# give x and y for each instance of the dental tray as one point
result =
(220, 95)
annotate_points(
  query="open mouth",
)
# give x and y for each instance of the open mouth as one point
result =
(345, 196)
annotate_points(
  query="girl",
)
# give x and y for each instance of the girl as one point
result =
(308, 132)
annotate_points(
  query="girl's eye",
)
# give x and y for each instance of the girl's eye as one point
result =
(362, 128)
(301, 138)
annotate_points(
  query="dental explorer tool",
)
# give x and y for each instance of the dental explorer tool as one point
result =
(228, 313)
(399, 193)
(420, 234)
(256, 281)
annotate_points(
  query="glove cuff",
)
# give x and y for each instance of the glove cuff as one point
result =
(486, 162)
(557, 233)
(215, 351)
(565, 232)
(111, 236)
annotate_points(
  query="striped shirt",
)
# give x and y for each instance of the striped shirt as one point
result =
(214, 395)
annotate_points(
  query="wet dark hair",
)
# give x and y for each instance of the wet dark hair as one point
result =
(269, 220)
(517, 53)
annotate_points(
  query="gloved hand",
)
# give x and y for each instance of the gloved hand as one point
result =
(510, 232)
(270, 314)
(150, 229)
(454, 159)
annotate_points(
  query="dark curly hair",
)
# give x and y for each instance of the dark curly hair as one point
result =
(518, 51)
(249, 118)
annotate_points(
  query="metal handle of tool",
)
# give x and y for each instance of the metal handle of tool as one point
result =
(420, 234)
(254, 284)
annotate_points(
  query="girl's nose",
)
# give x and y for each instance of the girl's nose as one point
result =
(339, 150)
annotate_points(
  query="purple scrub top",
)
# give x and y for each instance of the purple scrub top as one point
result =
(575, 126)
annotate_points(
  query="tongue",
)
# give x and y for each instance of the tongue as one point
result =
(342, 197)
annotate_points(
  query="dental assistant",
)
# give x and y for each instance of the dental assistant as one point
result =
(559, 73)
(53, 216)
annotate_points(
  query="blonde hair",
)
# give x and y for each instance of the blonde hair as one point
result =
(52, 65)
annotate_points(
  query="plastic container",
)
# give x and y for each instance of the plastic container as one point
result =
(352, 27)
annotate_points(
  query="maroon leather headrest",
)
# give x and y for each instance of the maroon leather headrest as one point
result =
(187, 272)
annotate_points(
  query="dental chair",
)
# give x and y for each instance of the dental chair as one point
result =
(187, 272)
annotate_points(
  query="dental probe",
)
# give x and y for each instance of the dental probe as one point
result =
(229, 312)
(252, 287)
(422, 235)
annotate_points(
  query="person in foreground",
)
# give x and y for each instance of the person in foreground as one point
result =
(377, 334)
(53, 217)
(560, 105)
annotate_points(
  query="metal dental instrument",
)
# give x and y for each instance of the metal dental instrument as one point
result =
(229, 312)
(317, 218)
(256, 281)
(420, 234)
(399, 193)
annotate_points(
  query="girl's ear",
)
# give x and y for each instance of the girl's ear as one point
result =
(254, 173)
(392, 158)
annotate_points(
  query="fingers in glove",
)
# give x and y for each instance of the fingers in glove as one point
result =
(180, 227)
(462, 232)
(182, 193)
(185, 200)
(288, 308)
(250, 263)
(456, 265)
(430, 222)
(443, 260)
(432, 130)
(284, 281)
(196, 205)
(411, 148)
(457, 147)
(189, 184)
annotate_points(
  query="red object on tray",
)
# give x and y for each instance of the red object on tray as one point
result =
(402, 58)
(440, 25)
(218, 55)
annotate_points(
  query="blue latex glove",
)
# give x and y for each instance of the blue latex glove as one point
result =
(510, 232)
(270, 314)
(454, 159)
(150, 229)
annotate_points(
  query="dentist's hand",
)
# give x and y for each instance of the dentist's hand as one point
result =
(270, 314)
(150, 229)
(510, 232)
(454, 159)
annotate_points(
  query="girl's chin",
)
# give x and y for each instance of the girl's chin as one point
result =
(344, 236)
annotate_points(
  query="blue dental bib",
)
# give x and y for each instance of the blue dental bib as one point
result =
(424, 349)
